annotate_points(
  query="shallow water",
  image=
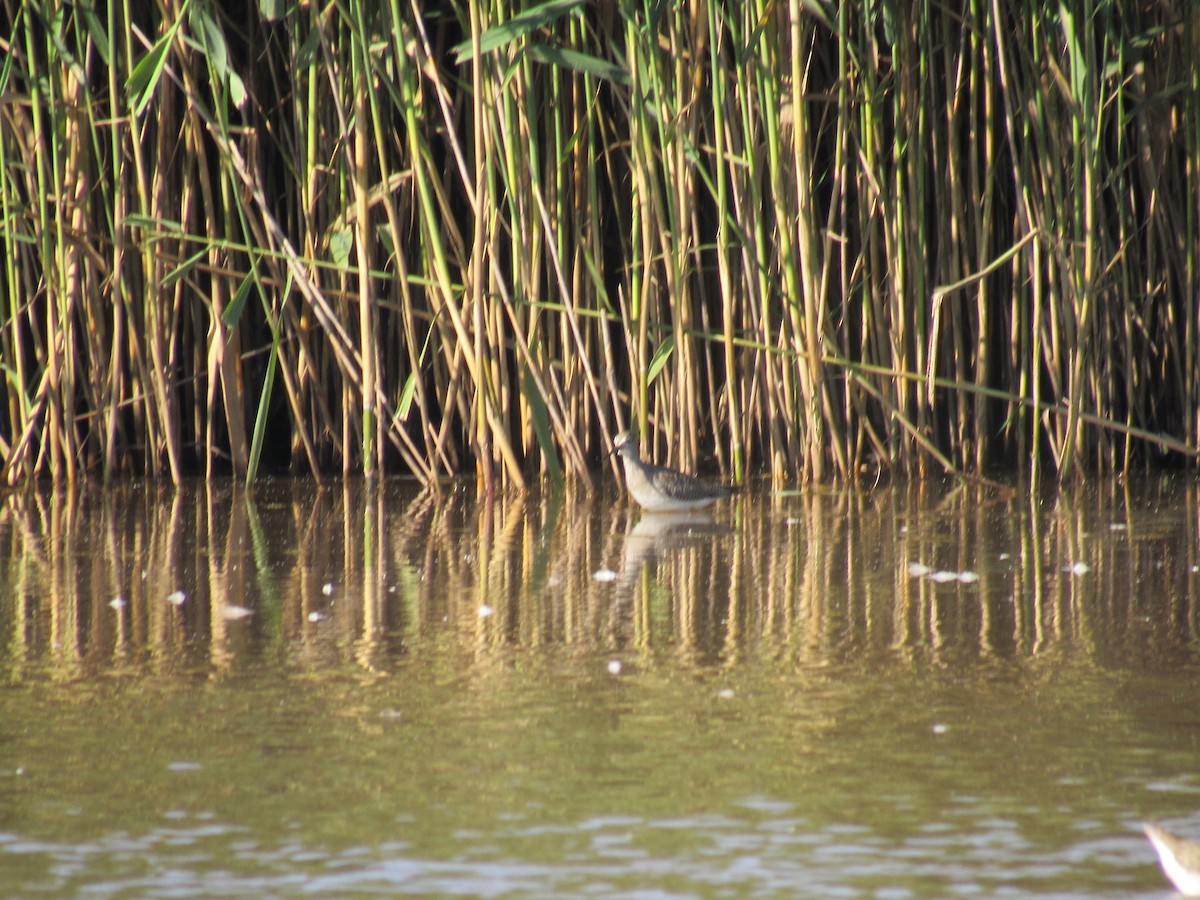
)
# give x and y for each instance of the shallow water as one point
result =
(371, 690)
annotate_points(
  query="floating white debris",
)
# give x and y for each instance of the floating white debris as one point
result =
(485, 611)
(327, 588)
(725, 693)
(1118, 526)
(1080, 568)
(939, 728)
(176, 598)
(941, 576)
(605, 575)
(792, 520)
(232, 611)
(315, 616)
(117, 602)
(614, 667)
(183, 765)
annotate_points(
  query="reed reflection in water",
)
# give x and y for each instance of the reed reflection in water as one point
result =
(145, 575)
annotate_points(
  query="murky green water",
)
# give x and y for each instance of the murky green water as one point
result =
(371, 691)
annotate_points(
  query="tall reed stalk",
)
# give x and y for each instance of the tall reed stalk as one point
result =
(811, 239)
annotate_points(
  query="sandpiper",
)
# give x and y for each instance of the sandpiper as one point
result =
(1180, 859)
(659, 489)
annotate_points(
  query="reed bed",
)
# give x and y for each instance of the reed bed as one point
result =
(811, 239)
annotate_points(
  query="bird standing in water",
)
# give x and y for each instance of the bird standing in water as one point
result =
(659, 489)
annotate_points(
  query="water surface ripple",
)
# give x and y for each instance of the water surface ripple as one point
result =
(913, 691)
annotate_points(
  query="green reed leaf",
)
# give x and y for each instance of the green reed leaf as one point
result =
(272, 10)
(580, 62)
(340, 244)
(406, 396)
(517, 27)
(661, 355)
(147, 72)
(541, 425)
(233, 312)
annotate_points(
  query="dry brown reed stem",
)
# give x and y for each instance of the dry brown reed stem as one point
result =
(489, 236)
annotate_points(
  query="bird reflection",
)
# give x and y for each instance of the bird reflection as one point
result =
(661, 531)
(655, 536)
